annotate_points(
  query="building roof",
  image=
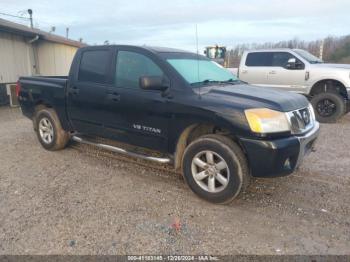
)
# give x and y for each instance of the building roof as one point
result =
(15, 28)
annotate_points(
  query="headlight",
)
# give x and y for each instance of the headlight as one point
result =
(264, 120)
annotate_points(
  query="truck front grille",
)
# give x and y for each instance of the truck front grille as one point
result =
(301, 120)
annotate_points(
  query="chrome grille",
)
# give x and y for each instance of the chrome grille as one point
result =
(301, 120)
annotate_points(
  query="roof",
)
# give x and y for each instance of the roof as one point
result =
(154, 49)
(15, 28)
(159, 49)
(270, 50)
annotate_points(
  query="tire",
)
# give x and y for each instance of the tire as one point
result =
(224, 151)
(49, 130)
(328, 107)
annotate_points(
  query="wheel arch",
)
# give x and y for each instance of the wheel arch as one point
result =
(329, 85)
(194, 131)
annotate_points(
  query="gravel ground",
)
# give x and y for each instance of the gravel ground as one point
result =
(82, 200)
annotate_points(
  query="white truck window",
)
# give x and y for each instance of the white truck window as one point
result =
(259, 59)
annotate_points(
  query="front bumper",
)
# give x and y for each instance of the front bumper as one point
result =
(279, 157)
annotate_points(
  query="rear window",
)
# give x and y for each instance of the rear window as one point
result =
(259, 59)
(94, 66)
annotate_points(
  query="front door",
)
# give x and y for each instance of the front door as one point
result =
(137, 116)
(286, 78)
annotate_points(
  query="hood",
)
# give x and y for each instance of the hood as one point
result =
(244, 96)
(343, 66)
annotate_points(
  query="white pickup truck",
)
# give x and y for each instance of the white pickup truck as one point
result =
(326, 85)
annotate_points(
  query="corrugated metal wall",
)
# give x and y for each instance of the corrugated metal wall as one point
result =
(17, 59)
(14, 58)
(54, 58)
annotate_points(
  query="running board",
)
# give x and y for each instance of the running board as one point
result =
(122, 151)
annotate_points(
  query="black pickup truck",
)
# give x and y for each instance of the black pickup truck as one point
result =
(215, 129)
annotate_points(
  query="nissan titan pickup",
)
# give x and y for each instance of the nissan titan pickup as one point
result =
(215, 130)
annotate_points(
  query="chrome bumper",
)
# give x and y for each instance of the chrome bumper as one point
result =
(307, 143)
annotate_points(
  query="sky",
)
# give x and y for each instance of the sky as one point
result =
(173, 23)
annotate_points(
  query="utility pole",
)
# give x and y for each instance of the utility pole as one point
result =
(67, 32)
(321, 49)
(30, 12)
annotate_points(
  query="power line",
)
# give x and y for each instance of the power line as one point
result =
(36, 21)
(22, 17)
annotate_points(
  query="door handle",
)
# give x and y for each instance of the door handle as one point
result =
(244, 71)
(74, 90)
(113, 96)
(272, 72)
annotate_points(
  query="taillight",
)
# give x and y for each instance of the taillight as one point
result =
(18, 88)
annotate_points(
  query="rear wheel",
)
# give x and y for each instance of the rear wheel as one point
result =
(50, 133)
(215, 168)
(329, 107)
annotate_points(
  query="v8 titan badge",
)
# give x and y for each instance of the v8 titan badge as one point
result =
(147, 128)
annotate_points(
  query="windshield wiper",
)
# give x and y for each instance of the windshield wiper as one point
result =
(231, 81)
(206, 81)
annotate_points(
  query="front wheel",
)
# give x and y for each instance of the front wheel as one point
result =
(215, 168)
(329, 107)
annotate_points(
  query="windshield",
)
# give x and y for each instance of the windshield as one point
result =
(200, 71)
(307, 56)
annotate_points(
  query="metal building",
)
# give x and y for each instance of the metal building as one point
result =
(26, 51)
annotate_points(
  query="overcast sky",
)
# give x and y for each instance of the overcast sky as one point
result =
(172, 23)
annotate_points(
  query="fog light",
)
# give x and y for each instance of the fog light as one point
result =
(287, 164)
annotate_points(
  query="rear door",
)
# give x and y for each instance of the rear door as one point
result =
(87, 92)
(256, 67)
(137, 116)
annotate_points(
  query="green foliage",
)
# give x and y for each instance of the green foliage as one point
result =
(342, 53)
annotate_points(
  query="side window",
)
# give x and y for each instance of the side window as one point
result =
(259, 59)
(281, 58)
(131, 66)
(94, 66)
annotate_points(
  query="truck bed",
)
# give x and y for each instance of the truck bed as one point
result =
(43, 90)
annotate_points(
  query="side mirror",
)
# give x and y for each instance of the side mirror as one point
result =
(295, 64)
(291, 63)
(292, 60)
(153, 83)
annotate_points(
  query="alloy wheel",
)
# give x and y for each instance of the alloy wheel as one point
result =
(210, 171)
(326, 107)
(46, 130)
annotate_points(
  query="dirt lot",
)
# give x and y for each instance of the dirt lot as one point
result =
(85, 201)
